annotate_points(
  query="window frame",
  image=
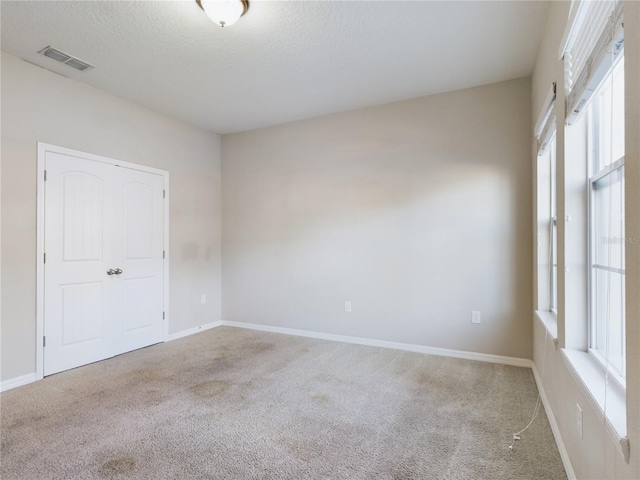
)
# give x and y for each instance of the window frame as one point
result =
(594, 138)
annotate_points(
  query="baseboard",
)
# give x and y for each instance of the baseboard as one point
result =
(482, 357)
(18, 381)
(554, 426)
(32, 377)
(192, 331)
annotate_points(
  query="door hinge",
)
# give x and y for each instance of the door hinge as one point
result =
(163, 315)
(44, 341)
(164, 194)
(45, 258)
(163, 254)
(45, 175)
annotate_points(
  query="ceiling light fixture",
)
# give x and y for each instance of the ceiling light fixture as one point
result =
(224, 12)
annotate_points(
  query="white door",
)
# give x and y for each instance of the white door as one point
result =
(104, 269)
(138, 295)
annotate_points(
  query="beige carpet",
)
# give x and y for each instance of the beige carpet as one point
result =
(238, 404)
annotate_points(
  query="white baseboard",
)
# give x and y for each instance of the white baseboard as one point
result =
(191, 331)
(18, 381)
(32, 377)
(554, 425)
(482, 357)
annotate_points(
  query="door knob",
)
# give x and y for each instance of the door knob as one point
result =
(118, 271)
(111, 271)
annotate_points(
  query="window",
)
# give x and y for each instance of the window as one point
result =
(553, 232)
(547, 232)
(591, 322)
(606, 230)
(545, 133)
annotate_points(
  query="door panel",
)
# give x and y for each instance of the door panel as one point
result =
(138, 221)
(81, 313)
(82, 216)
(138, 304)
(140, 258)
(76, 287)
(101, 218)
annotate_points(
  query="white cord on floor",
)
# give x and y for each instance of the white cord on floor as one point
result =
(536, 409)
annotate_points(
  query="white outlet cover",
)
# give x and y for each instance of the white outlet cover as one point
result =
(347, 306)
(475, 316)
(203, 299)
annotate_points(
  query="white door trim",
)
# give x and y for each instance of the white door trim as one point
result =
(43, 148)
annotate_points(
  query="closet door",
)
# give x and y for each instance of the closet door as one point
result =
(79, 251)
(139, 288)
(104, 284)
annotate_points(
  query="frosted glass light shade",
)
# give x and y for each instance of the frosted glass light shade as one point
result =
(224, 12)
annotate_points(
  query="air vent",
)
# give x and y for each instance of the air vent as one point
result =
(56, 55)
(65, 58)
(78, 65)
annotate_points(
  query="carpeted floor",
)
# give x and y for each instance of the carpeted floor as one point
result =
(239, 404)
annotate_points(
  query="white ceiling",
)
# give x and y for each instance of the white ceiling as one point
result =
(282, 61)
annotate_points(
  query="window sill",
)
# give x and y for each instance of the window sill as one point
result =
(550, 322)
(590, 376)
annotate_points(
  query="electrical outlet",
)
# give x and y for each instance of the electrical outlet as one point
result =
(203, 299)
(579, 420)
(347, 306)
(475, 316)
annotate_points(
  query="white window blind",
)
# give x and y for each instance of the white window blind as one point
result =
(545, 128)
(594, 42)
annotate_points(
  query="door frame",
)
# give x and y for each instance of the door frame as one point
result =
(43, 148)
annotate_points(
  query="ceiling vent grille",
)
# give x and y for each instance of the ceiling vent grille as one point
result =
(65, 58)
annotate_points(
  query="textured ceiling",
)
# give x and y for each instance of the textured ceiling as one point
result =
(282, 61)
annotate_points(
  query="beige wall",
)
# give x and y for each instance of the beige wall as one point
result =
(38, 105)
(417, 211)
(595, 454)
